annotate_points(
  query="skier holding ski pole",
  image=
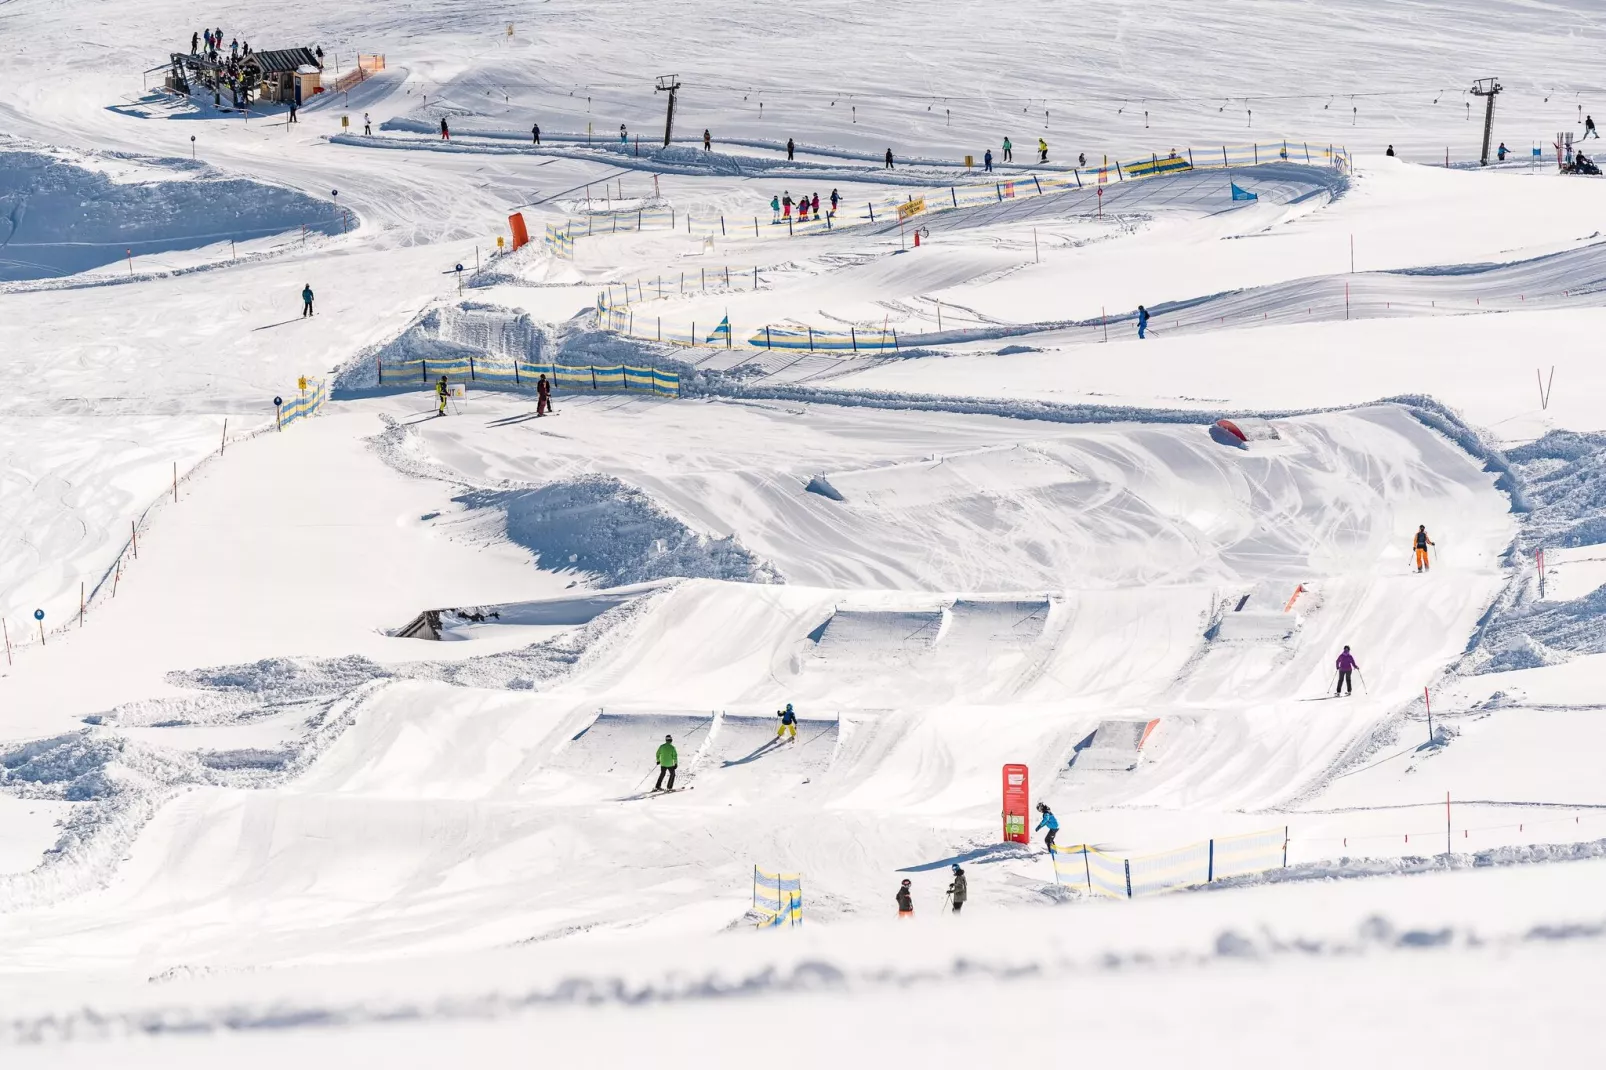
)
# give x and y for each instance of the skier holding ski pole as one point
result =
(959, 890)
(441, 393)
(788, 721)
(1420, 544)
(667, 760)
(1346, 665)
(906, 903)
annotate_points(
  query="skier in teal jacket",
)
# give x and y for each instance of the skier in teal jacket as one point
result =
(1049, 822)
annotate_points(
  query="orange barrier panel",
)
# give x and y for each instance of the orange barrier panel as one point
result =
(1294, 597)
(521, 236)
(1148, 731)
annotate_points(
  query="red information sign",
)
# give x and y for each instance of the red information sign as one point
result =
(1017, 805)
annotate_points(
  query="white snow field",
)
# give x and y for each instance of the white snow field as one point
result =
(351, 759)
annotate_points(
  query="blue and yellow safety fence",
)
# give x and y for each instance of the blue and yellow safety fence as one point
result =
(308, 400)
(778, 897)
(523, 375)
(1185, 867)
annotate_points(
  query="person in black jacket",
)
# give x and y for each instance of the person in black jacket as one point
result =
(906, 903)
(790, 148)
(543, 395)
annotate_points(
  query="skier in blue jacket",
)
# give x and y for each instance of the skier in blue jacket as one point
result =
(788, 721)
(1143, 321)
(1049, 822)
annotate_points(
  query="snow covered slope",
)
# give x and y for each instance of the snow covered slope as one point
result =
(1014, 537)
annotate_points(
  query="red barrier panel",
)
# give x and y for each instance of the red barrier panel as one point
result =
(1232, 429)
(1017, 805)
(521, 236)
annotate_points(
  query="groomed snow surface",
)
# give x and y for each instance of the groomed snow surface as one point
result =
(350, 761)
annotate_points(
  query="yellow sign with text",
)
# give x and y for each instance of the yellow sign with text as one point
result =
(911, 208)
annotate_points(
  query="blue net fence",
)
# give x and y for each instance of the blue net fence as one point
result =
(508, 374)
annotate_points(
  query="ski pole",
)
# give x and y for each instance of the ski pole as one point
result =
(1362, 675)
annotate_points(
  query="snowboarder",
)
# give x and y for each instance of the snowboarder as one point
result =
(790, 148)
(1390, 152)
(1346, 665)
(959, 889)
(441, 392)
(1420, 543)
(543, 395)
(906, 903)
(446, 133)
(535, 134)
(624, 138)
(1042, 151)
(1589, 128)
(1143, 321)
(775, 209)
(1049, 822)
(367, 125)
(889, 160)
(987, 160)
(1009, 151)
(708, 141)
(306, 300)
(1501, 152)
(667, 761)
(788, 720)
(815, 206)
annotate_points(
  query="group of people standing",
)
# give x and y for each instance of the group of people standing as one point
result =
(782, 206)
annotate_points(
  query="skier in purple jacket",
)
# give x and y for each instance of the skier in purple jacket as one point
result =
(1346, 665)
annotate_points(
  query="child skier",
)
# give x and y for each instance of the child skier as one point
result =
(1420, 543)
(775, 209)
(668, 760)
(906, 903)
(788, 721)
(959, 889)
(1049, 822)
(543, 395)
(815, 206)
(440, 397)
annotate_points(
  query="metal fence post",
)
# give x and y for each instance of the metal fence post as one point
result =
(1087, 870)
(1210, 870)
(1128, 864)
(1038, 184)
(1285, 846)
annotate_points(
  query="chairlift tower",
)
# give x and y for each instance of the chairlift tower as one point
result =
(1488, 88)
(668, 83)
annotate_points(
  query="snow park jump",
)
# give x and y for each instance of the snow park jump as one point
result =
(521, 528)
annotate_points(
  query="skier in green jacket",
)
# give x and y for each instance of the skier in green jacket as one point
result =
(667, 761)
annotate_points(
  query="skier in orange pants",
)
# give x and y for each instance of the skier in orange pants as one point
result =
(1421, 543)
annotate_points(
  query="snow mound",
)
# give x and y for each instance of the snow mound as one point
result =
(601, 526)
(58, 218)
